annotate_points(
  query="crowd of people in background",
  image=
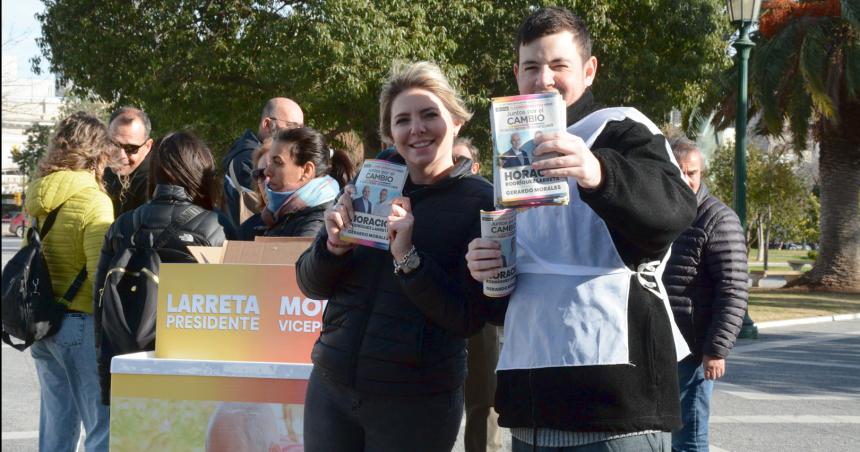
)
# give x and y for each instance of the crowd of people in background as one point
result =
(591, 346)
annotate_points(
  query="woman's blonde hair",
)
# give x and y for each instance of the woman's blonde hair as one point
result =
(81, 142)
(423, 75)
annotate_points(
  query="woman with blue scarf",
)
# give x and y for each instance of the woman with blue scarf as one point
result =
(304, 177)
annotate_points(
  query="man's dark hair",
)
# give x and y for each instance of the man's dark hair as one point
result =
(549, 21)
(268, 108)
(182, 159)
(127, 115)
(473, 150)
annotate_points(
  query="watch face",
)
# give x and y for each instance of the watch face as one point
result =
(412, 262)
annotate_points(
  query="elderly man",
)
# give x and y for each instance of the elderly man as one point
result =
(482, 432)
(706, 279)
(127, 184)
(463, 148)
(278, 113)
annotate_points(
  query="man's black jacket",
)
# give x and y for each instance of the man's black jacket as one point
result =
(707, 278)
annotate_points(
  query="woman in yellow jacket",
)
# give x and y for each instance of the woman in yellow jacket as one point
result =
(69, 175)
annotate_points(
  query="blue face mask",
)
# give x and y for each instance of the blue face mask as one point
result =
(276, 199)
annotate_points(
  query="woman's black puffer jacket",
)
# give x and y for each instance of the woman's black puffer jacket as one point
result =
(404, 335)
(168, 202)
(707, 279)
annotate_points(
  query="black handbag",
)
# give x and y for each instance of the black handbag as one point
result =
(30, 310)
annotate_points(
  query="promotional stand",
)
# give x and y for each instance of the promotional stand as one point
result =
(232, 357)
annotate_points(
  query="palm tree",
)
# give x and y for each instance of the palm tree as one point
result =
(805, 77)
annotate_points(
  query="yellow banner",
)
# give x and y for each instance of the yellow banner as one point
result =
(235, 312)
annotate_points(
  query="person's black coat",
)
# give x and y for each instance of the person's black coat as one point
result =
(169, 201)
(137, 192)
(240, 156)
(707, 279)
(403, 334)
(303, 223)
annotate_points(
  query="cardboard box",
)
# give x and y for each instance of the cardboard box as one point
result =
(264, 250)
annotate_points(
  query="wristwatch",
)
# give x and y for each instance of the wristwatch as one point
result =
(411, 261)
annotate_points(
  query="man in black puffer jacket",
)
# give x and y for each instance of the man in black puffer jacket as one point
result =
(706, 279)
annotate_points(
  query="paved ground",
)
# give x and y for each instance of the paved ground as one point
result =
(794, 388)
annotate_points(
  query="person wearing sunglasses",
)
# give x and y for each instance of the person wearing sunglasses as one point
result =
(278, 113)
(126, 179)
(256, 201)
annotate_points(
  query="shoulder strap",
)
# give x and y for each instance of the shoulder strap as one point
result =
(234, 179)
(49, 221)
(75, 287)
(172, 229)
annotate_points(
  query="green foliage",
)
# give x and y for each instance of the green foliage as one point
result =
(210, 66)
(772, 186)
(27, 158)
(90, 104)
(801, 76)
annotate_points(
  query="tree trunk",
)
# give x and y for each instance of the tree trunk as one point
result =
(762, 244)
(837, 267)
(766, 246)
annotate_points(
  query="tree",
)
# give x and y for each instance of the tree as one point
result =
(805, 75)
(211, 65)
(777, 199)
(87, 103)
(38, 137)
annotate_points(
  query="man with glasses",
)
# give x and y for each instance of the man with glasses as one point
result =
(126, 185)
(278, 113)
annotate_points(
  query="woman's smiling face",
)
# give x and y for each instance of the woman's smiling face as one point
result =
(423, 131)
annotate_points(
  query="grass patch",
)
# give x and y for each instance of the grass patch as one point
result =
(779, 255)
(778, 304)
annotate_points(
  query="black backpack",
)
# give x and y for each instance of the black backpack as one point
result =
(30, 311)
(129, 298)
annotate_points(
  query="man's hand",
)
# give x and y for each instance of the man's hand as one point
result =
(338, 218)
(575, 159)
(714, 367)
(484, 258)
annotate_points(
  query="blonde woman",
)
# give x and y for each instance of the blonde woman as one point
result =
(70, 176)
(390, 362)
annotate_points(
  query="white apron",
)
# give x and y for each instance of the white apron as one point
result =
(570, 304)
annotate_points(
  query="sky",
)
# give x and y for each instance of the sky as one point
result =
(20, 30)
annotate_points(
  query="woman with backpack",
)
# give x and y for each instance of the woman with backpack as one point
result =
(182, 181)
(303, 177)
(69, 182)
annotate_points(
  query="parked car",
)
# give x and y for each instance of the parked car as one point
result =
(8, 216)
(17, 225)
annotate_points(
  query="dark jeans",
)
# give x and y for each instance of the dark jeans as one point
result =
(338, 418)
(695, 407)
(649, 442)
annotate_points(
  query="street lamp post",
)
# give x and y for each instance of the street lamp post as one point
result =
(743, 14)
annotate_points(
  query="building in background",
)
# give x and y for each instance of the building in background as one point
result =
(25, 101)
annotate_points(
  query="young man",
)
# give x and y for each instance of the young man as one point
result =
(589, 358)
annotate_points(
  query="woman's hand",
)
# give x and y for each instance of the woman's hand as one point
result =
(400, 222)
(484, 258)
(338, 217)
